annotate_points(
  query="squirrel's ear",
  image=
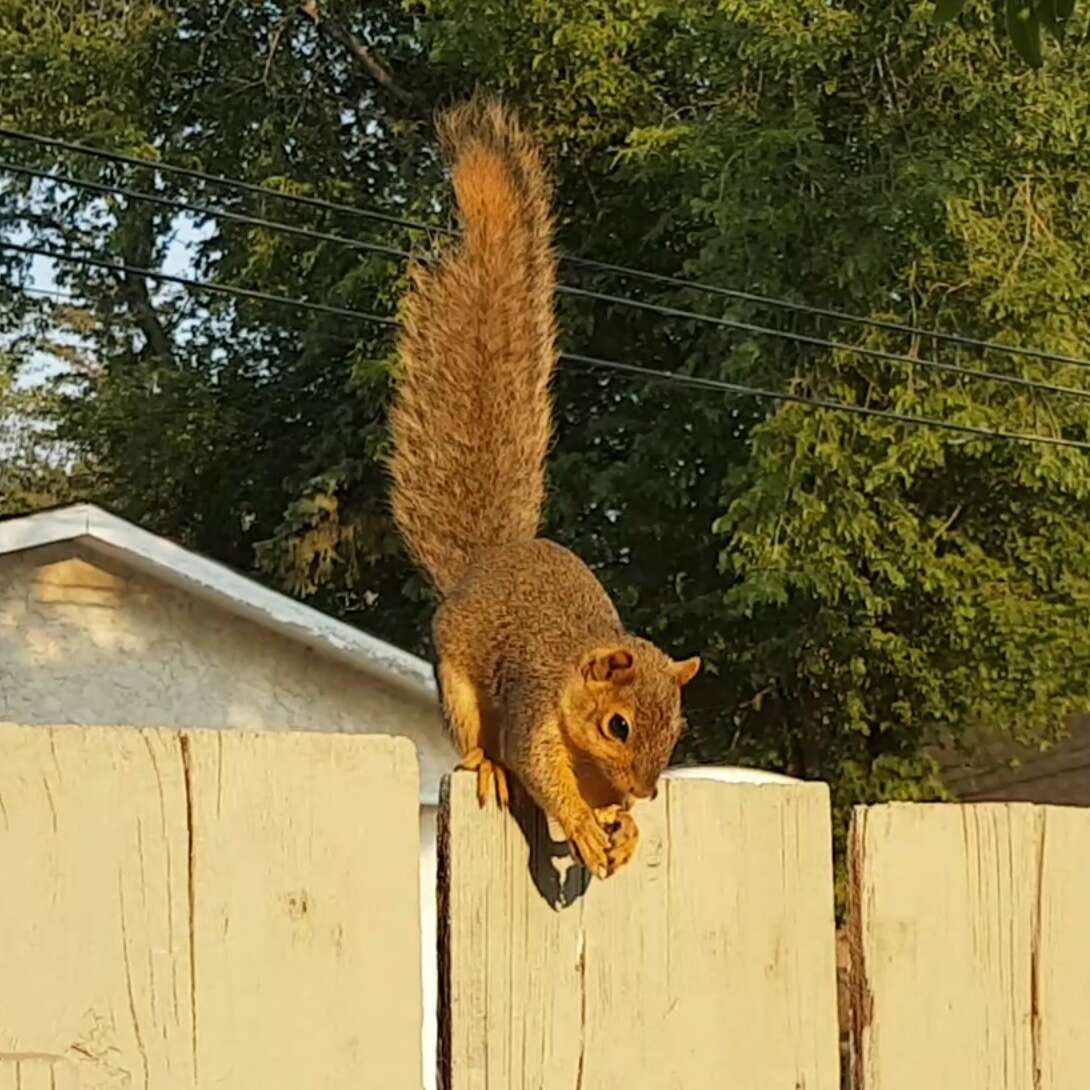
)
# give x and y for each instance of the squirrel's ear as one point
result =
(684, 672)
(608, 666)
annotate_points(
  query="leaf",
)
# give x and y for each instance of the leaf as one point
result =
(945, 10)
(1054, 15)
(1024, 28)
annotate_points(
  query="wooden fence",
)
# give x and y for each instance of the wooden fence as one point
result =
(224, 910)
(970, 937)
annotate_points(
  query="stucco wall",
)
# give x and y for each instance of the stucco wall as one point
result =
(83, 640)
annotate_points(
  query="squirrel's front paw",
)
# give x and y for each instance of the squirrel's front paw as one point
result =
(590, 843)
(624, 835)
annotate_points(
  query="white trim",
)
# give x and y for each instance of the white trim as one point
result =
(156, 556)
(726, 774)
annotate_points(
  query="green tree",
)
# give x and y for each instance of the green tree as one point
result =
(860, 589)
(34, 472)
(205, 415)
(874, 588)
(1027, 22)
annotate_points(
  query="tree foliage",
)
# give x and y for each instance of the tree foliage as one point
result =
(861, 590)
(32, 473)
(1028, 23)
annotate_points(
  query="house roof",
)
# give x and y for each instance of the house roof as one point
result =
(1001, 769)
(113, 537)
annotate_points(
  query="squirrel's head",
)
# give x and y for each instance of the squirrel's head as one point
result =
(622, 710)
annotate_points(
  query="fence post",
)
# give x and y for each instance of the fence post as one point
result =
(970, 947)
(708, 962)
(210, 909)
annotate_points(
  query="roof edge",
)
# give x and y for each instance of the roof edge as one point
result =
(172, 563)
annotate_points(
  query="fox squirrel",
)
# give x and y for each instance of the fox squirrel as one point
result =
(537, 675)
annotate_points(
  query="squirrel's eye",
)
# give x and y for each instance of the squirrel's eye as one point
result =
(618, 727)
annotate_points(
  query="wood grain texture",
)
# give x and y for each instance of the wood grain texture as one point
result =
(970, 949)
(708, 962)
(186, 910)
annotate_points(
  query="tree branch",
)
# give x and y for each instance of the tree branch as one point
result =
(274, 44)
(340, 34)
(147, 319)
(135, 235)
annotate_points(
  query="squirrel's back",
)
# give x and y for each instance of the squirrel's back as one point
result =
(472, 413)
(534, 600)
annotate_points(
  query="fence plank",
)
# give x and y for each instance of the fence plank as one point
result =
(971, 959)
(709, 961)
(1063, 955)
(210, 907)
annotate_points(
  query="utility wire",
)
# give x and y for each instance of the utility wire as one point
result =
(829, 312)
(198, 285)
(30, 289)
(616, 300)
(636, 370)
(204, 210)
(963, 775)
(824, 403)
(822, 342)
(604, 266)
(216, 179)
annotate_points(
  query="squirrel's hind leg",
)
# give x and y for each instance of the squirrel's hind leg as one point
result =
(462, 713)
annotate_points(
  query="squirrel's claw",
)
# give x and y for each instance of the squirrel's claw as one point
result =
(492, 774)
(489, 775)
(499, 775)
(623, 832)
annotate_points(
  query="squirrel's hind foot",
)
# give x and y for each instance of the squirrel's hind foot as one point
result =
(491, 778)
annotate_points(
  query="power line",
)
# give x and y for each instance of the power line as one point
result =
(198, 285)
(674, 312)
(589, 263)
(966, 774)
(825, 403)
(592, 361)
(64, 296)
(822, 342)
(205, 210)
(829, 312)
(216, 179)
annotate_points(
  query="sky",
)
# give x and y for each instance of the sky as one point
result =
(178, 261)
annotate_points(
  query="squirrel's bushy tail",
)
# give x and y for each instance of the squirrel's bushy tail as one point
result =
(472, 412)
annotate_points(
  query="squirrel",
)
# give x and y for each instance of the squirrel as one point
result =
(537, 676)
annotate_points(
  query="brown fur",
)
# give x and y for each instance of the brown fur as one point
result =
(472, 416)
(533, 660)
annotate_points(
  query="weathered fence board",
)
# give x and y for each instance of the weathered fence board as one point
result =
(708, 962)
(970, 940)
(216, 908)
